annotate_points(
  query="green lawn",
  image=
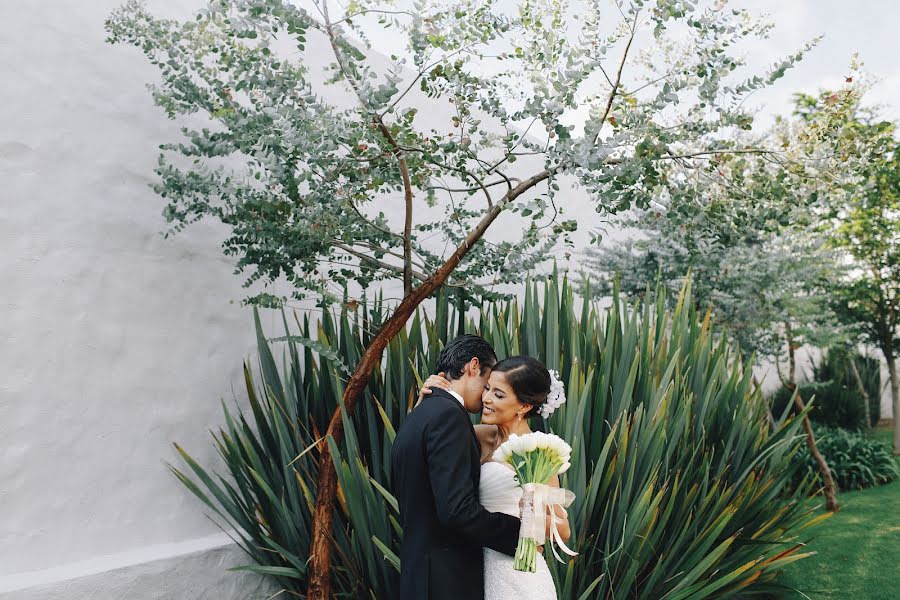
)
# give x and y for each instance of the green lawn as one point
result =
(858, 548)
(884, 433)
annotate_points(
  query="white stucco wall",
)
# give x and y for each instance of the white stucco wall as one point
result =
(199, 575)
(115, 342)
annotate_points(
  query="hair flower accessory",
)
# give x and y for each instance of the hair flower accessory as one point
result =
(556, 397)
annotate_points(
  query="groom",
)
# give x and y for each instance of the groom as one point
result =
(436, 463)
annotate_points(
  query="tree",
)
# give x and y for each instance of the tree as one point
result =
(751, 241)
(754, 283)
(605, 107)
(754, 247)
(865, 226)
(860, 216)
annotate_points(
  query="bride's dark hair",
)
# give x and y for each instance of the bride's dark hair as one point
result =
(529, 379)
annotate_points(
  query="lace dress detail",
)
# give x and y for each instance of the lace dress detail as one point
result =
(499, 492)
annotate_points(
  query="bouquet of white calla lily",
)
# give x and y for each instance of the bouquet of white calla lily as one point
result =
(536, 458)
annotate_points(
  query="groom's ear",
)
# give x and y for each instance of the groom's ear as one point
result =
(473, 367)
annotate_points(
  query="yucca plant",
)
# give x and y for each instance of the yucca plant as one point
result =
(683, 487)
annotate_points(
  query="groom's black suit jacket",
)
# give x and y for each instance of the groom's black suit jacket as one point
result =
(436, 470)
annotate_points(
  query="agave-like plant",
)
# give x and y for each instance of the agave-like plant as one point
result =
(683, 484)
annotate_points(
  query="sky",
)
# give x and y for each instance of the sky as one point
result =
(867, 27)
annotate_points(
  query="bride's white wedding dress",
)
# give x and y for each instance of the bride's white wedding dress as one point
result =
(499, 492)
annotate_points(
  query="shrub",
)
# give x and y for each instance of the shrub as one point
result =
(843, 398)
(683, 490)
(856, 461)
(838, 402)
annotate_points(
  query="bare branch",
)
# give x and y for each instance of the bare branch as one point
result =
(615, 86)
(373, 10)
(475, 189)
(372, 246)
(378, 263)
(511, 150)
(418, 275)
(419, 75)
(372, 223)
(466, 175)
(397, 151)
(717, 152)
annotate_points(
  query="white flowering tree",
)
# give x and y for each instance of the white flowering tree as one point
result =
(626, 98)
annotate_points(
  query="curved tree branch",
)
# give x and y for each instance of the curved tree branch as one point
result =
(320, 551)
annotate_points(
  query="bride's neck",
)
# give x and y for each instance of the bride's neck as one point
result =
(515, 427)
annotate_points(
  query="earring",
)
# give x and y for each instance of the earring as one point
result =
(519, 417)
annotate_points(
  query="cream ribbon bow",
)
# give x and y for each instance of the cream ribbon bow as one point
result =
(534, 514)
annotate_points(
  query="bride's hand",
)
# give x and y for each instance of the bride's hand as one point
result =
(433, 381)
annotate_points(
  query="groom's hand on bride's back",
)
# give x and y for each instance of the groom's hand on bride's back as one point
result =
(433, 381)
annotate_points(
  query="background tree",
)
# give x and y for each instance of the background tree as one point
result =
(755, 245)
(863, 223)
(300, 169)
(754, 283)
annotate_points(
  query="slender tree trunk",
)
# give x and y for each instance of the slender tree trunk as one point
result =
(862, 391)
(829, 488)
(319, 584)
(887, 326)
(792, 357)
(407, 222)
(895, 399)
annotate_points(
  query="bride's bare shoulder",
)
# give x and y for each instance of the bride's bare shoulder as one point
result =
(486, 433)
(487, 439)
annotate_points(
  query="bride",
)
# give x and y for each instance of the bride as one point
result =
(519, 387)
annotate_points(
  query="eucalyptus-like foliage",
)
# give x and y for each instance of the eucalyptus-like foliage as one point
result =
(754, 281)
(861, 221)
(626, 98)
(683, 488)
(755, 241)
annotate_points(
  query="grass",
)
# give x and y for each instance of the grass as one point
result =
(883, 433)
(858, 548)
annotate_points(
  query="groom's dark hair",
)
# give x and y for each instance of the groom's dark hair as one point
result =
(460, 350)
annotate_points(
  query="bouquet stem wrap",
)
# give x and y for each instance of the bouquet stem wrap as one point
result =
(539, 500)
